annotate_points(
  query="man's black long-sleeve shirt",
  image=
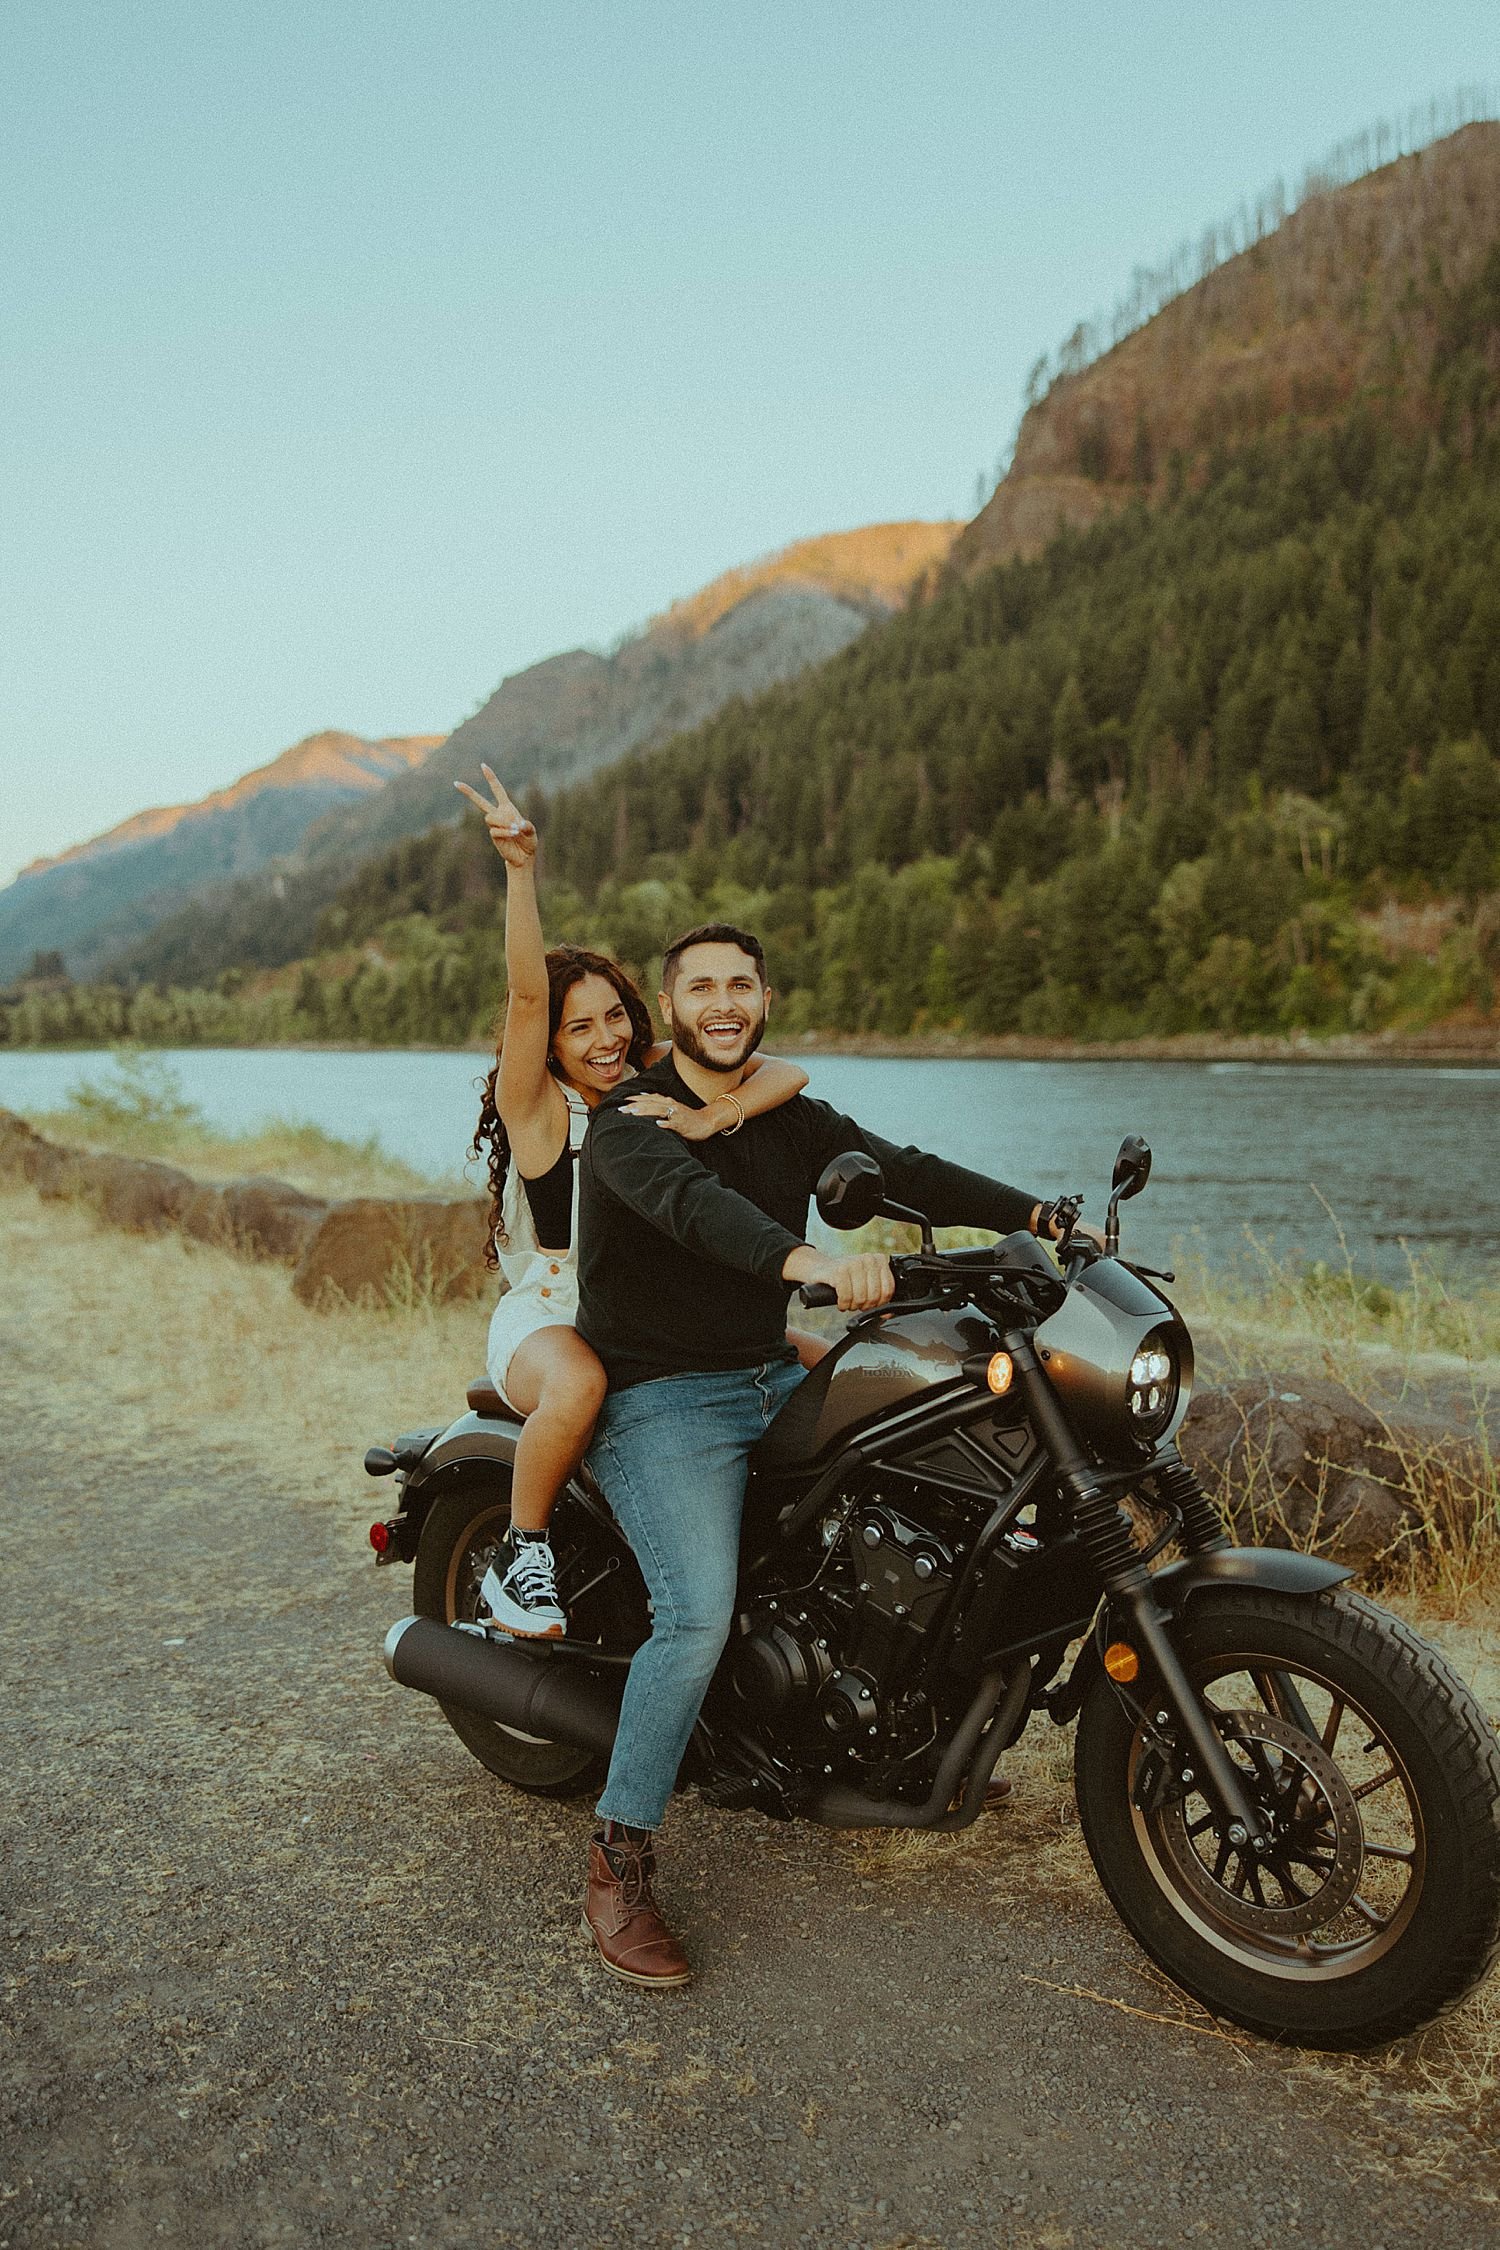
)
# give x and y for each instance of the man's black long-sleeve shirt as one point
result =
(681, 1243)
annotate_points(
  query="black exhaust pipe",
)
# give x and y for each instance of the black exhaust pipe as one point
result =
(535, 1694)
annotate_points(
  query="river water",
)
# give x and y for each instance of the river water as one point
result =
(1287, 1154)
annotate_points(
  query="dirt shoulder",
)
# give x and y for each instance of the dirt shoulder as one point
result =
(284, 1966)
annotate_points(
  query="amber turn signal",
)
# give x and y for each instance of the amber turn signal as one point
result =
(1121, 1661)
(999, 1373)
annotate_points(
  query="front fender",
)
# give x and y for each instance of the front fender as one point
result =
(1279, 1569)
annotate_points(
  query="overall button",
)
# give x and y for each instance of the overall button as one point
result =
(546, 1292)
(554, 1269)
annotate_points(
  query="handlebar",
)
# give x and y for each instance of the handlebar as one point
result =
(917, 1275)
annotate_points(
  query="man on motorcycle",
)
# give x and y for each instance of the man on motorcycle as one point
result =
(687, 1250)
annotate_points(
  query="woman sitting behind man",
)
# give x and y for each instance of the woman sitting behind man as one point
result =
(574, 1027)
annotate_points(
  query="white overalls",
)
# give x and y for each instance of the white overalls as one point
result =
(541, 1291)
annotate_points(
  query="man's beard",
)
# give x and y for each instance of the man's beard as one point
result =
(689, 1043)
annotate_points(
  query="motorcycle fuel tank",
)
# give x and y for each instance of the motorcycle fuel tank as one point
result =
(901, 1361)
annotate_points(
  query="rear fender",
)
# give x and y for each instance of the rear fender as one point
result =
(1279, 1570)
(476, 1447)
(480, 1448)
(473, 1437)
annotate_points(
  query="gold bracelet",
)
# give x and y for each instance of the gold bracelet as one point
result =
(739, 1114)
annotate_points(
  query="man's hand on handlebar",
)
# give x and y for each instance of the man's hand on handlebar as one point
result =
(859, 1284)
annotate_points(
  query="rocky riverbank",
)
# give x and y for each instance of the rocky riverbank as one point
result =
(344, 1251)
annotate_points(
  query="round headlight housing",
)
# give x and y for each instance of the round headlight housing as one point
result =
(1152, 1385)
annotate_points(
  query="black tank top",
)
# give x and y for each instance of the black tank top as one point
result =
(550, 1195)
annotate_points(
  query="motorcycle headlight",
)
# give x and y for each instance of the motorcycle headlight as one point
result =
(1151, 1392)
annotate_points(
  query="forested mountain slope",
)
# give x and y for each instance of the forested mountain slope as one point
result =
(1335, 304)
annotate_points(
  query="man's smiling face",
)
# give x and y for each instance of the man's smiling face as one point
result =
(716, 1009)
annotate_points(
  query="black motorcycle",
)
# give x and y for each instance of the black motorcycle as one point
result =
(1291, 1799)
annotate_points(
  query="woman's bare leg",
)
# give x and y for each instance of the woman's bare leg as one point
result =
(558, 1384)
(809, 1349)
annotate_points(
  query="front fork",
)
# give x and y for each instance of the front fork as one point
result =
(1106, 1535)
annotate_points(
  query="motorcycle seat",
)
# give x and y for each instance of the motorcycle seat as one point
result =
(484, 1399)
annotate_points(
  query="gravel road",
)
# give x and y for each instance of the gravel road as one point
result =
(283, 1966)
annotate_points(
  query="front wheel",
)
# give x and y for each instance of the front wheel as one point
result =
(1377, 1904)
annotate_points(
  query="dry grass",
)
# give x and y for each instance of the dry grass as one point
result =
(228, 1360)
(1429, 1322)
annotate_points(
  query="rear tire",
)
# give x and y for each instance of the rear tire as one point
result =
(1390, 1824)
(458, 1542)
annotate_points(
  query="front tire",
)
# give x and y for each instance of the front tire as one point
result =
(459, 1541)
(1379, 1906)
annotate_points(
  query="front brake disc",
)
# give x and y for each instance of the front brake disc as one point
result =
(1312, 1869)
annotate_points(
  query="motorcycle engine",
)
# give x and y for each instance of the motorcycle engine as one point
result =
(835, 1666)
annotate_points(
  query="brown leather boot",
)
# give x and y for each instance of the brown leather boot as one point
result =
(621, 1916)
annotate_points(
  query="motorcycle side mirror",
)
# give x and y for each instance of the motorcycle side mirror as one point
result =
(1132, 1171)
(851, 1190)
(1132, 1167)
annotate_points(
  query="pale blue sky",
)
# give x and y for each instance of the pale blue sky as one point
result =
(356, 354)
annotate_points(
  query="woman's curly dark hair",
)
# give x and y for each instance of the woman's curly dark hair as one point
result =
(567, 965)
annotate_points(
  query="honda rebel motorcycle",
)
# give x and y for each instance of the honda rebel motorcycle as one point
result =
(960, 1522)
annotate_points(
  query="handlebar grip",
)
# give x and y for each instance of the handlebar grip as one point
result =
(817, 1293)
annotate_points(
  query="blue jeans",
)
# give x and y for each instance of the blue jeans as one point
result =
(671, 1456)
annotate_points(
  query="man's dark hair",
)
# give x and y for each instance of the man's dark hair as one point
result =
(712, 933)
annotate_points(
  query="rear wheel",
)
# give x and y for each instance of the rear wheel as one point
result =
(1377, 1904)
(459, 1541)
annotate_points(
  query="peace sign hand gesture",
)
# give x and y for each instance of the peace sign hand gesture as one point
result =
(511, 833)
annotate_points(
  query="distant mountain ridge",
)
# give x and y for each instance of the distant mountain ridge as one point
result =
(327, 761)
(98, 895)
(561, 720)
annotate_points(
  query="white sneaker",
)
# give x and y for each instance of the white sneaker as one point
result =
(524, 1600)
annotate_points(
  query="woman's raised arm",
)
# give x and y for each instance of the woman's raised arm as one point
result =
(525, 1090)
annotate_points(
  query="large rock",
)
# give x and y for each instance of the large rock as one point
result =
(268, 1219)
(23, 1152)
(259, 1218)
(1300, 1462)
(373, 1252)
(131, 1192)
